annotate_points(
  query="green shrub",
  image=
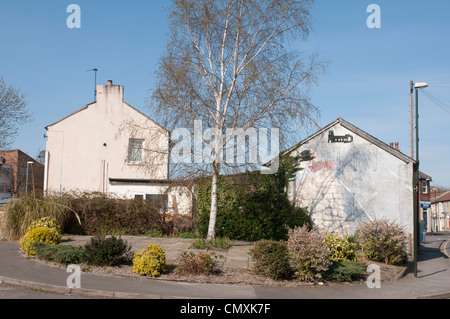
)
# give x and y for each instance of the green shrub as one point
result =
(249, 212)
(383, 241)
(341, 248)
(107, 251)
(203, 243)
(203, 263)
(155, 233)
(345, 271)
(61, 254)
(40, 234)
(187, 235)
(271, 259)
(150, 261)
(308, 253)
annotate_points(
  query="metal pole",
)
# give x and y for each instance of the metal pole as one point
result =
(416, 187)
(26, 187)
(412, 118)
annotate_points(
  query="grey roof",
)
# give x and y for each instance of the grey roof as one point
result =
(358, 132)
(425, 176)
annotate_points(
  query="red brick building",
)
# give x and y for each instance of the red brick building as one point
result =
(424, 197)
(14, 165)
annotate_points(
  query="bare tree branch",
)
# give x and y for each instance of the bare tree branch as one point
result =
(13, 112)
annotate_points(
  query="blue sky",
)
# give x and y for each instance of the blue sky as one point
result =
(367, 81)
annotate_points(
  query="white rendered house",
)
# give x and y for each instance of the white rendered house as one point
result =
(112, 148)
(349, 177)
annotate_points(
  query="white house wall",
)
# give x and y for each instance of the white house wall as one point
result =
(90, 146)
(349, 183)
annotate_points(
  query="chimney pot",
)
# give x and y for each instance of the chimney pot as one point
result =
(392, 144)
(110, 82)
(396, 146)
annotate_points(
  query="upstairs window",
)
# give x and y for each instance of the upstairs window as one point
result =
(135, 151)
(424, 187)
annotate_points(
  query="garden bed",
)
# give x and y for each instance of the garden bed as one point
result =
(230, 276)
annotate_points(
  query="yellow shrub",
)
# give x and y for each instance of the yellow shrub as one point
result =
(40, 234)
(47, 222)
(341, 248)
(150, 261)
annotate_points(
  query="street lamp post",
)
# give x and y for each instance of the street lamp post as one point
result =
(417, 86)
(28, 165)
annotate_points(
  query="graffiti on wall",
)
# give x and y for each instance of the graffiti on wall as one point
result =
(339, 139)
(322, 165)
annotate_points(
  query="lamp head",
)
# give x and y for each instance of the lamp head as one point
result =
(421, 85)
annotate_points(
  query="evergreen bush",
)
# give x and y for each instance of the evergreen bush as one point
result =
(345, 271)
(61, 254)
(252, 206)
(107, 251)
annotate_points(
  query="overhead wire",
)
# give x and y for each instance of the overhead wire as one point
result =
(439, 101)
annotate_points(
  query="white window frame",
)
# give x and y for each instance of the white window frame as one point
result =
(425, 186)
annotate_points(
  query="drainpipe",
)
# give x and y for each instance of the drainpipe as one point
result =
(47, 157)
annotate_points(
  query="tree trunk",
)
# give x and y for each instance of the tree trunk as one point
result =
(214, 203)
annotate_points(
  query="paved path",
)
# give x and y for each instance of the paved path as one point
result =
(433, 279)
(236, 256)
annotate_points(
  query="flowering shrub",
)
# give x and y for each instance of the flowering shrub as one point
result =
(271, 259)
(341, 248)
(150, 261)
(47, 222)
(383, 241)
(194, 264)
(39, 234)
(309, 255)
